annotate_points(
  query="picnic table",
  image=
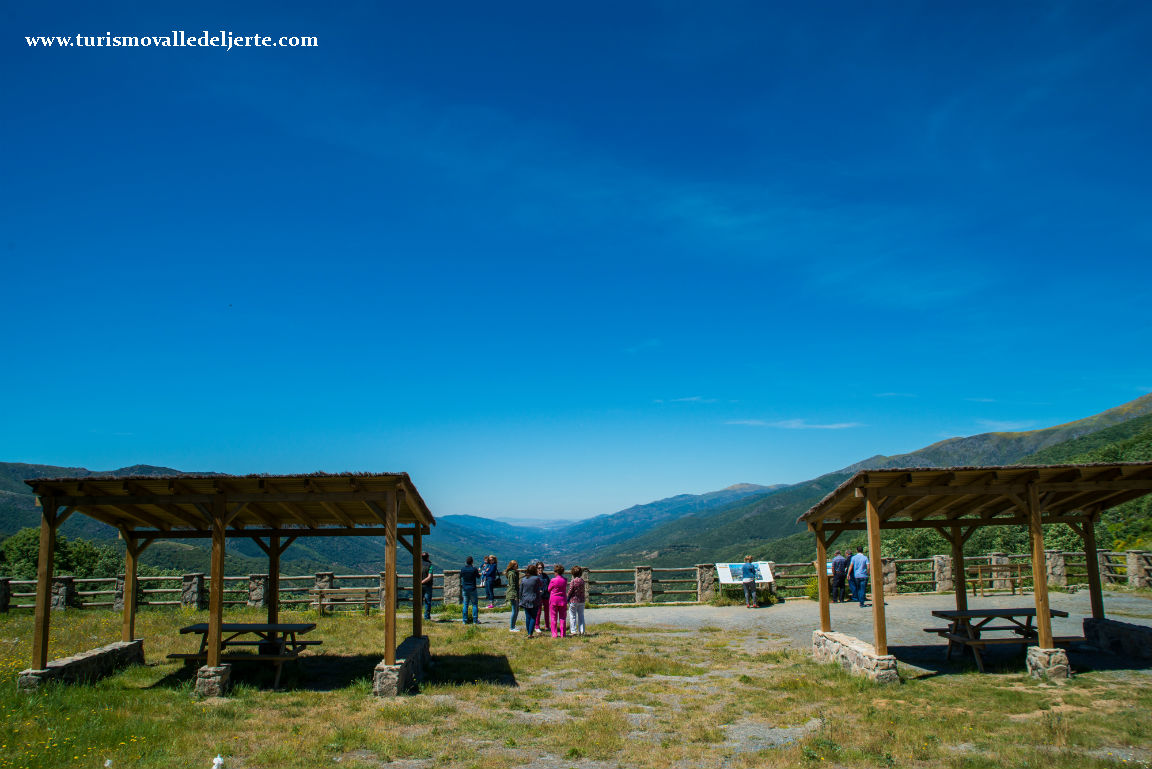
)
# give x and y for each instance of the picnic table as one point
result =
(275, 642)
(967, 629)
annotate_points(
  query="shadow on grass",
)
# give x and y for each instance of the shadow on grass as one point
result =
(1010, 659)
(470, 669)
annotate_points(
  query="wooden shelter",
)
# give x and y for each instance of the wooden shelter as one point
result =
(272, 510)
(955, 501)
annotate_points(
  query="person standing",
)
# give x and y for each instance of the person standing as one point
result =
(529, 595)
(839, 574)
(512, 582)
(576, 599)
(491, 574)
(426, 584)
(859, 568)
(542, 599)
(748, 580)
(468, 576)
(558, 602)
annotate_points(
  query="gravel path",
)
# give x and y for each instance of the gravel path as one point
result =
(907, 616)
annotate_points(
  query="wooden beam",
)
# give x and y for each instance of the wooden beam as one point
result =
(407, 546)
(391, 513)
(944, 523)
(272, 593)
(1095, 592)
(822, 581)
(1039, 570)
(377, 511)
(142, 516)
(959, 573)
(44, 564)
(128, 619)
(298, 513)
(417, 588)
(216, 586)
(876, 569)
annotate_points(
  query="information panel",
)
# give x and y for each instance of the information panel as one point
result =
(730, 572)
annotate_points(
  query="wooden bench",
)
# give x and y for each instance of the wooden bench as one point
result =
(343, 594)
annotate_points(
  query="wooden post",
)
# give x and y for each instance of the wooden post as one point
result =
(417, 588)
(216, 590)
(1095, 594)
(128, 619)
(390, 513)
(876, 574)
(272, 591)
(959, 573)
(44, 584)
(822, 578)
(1039, 569)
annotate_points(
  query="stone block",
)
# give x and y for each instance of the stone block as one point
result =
(324, 580)
(413, 658)
(64, 595)
(643, 584)
(999, 581)
(1057, 567)
(1048, 663)
(192, 591)
(705, 582)
(258, 590)
(1138, 569)
(86, 666)
(213, 681)
(942, 572)
(888, 569)
(855, 656)
(118, 599)
(452, 592)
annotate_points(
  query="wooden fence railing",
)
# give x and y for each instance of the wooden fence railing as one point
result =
(640, 584)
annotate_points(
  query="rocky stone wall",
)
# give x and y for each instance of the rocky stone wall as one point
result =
(213, 681)
(855, 656)
(1057, 567)
(452, 593)
(64, 595)
(258, 590)
(1139, 568)
(91, 665)
(888, 569)
(413, 658)
(192, 591)
(1123, 638)
(942, 572)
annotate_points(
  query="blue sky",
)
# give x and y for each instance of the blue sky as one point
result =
(555, 261)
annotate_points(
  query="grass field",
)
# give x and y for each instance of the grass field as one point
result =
(619, 697)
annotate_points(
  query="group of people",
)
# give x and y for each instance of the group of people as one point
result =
(854, 571)
(553, 603)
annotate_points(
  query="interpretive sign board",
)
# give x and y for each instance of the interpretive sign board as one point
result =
(729, 573)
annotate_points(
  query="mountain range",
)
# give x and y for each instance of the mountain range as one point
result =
(677, 531)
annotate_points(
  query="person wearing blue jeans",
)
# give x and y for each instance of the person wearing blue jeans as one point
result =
(426, 584)
(858, 574)
(529, 597)
(468, 576)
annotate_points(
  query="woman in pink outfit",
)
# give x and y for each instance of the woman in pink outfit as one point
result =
(558, 601)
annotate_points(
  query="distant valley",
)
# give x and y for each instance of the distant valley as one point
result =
(680, 530)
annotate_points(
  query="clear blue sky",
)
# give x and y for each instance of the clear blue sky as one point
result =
(558, 260)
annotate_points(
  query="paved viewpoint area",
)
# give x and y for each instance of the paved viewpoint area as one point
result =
(907, 616)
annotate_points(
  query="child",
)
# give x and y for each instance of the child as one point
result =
(576, 599)
(558, 601)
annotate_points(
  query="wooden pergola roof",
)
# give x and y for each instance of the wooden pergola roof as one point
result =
(168, 507)
(272, 510)
(956, 501)
(982, 496)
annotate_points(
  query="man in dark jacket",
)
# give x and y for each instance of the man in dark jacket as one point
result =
(839, 574)
(468, 576)
(426, 584)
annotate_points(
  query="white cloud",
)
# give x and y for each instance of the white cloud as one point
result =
(794, 424)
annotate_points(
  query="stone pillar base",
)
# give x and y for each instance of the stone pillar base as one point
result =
(855, 656)
(91, 665)
(1048, 663)
(213, 682)
(413, 658)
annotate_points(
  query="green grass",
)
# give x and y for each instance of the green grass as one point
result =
(620, 696)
